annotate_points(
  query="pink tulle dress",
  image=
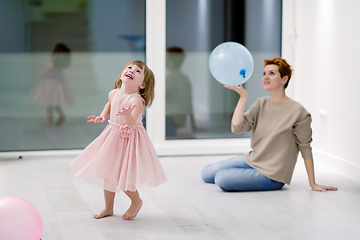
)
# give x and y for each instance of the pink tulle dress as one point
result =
(52, 90)
(122, 157)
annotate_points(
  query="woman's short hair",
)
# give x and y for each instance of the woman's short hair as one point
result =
(284, 68)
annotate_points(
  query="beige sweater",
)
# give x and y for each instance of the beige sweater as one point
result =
(280, 131)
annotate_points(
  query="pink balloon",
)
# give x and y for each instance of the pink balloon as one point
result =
(19, 220)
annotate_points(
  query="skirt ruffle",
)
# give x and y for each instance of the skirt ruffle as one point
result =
(118, 163)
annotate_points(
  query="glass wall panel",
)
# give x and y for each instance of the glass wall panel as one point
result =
(197, 106)
(48, 89)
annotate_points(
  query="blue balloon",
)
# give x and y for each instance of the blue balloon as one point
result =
(231, 63)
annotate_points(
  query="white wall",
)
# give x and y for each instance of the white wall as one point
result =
(321, 40)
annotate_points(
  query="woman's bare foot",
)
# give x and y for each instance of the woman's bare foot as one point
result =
(103, 213)
(133, 210)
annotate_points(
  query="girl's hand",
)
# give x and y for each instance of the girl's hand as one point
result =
(321, 188)
(126, 111)
(96, 119)
(239, 89)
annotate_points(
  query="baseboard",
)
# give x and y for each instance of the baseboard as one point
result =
(338, 164)
(53, 153)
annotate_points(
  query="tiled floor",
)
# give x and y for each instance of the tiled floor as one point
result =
(185, 207)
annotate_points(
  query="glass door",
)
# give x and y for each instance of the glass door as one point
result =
(193, 111)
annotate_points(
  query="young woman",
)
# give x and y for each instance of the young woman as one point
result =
(281, 128)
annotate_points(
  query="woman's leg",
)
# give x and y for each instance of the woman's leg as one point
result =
(109, 198)
(240, 179)
(136, 204)
(209, 172)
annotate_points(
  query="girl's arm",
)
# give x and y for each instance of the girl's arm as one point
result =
(238, 116)
(106, 111)
(131, 113)
(104, 114)
(309, 165)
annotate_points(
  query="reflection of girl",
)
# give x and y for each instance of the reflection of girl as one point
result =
(281, 128)
(123, 158)
(53, 91)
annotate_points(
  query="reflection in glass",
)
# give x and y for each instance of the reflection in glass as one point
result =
(52, 91)
(37, 87)
(178, 96)
(197, 106)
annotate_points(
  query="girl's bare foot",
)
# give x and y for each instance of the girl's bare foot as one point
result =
(103, 213)
(60, 121)
(133, 210)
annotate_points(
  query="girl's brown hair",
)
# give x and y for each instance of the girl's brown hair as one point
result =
(284, 68)
(147, 93)
(60, 55)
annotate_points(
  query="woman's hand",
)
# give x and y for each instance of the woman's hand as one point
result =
(96, 119)
(126, 111)
(239, 89)
(321, 188)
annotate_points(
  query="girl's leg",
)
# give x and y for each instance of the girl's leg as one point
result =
(109, 198)
(61, 116)
(209, 172)
(49, 114)
(240, 179)
(136, 204)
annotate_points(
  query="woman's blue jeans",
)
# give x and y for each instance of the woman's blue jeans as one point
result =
(235, 174)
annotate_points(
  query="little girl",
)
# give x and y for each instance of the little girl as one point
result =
(123, 157)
